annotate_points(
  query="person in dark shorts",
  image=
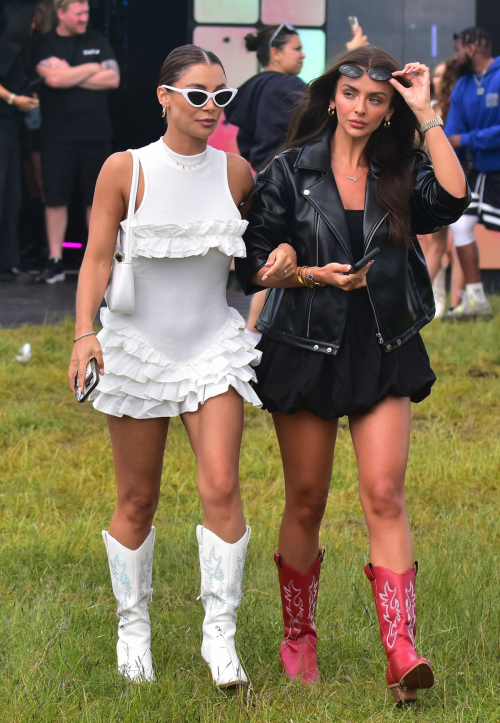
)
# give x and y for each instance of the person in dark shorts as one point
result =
(473, 125)
(353, 178)
(15, 101)
(78, 66)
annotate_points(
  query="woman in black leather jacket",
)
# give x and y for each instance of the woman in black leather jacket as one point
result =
(354, 177)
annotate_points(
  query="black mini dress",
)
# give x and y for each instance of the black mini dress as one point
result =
(290, 379)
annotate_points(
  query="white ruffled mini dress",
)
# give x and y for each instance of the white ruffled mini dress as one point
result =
(183, 344)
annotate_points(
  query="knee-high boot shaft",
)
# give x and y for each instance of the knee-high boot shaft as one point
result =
(131, 577)
(222, 565)
(394, 595)
(299, 595)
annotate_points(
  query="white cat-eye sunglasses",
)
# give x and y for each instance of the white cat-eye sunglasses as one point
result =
(199, 98)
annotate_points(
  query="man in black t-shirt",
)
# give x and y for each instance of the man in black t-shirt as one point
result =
(78, 67)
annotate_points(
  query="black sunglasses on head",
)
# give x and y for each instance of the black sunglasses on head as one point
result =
(354, 71)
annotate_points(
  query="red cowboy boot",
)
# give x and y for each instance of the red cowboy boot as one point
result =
(299, 594)
(397, 614)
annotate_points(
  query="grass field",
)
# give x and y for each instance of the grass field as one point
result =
(58, 628)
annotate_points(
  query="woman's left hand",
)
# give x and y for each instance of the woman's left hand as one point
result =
(281, 262)
(418, 96)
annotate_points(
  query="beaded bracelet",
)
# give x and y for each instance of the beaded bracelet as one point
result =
(89, 333)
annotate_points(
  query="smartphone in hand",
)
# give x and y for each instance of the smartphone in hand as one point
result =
(90, 383)
(362, 262)
(353, 22)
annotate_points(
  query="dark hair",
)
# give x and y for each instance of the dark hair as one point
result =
(477, 36)
(388, 148)
(181, 59)
(45, 15)
(18, 16)
(448, 81)
(260, 41)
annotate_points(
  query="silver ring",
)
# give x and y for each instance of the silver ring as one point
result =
(285, 271)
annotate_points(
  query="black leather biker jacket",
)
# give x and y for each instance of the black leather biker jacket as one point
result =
(297, 202)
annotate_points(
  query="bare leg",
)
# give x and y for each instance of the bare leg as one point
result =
(381, 441)
(307, 444)
(215, 432)
(56, 219)
(457, 278)
(469, 261)
(138, 448)
(434, 248)
(256, 305)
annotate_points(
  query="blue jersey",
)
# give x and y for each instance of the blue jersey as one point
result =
(475, 115)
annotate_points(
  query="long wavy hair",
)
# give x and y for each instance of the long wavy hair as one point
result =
(388, 148)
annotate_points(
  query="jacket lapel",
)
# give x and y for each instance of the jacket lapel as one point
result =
(373, 211)
(325, 198)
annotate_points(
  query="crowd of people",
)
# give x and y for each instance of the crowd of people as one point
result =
(54, 76)
(349, 169)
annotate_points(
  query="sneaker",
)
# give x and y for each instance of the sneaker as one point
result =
(469, 309)
(53, 272)
(16, 276)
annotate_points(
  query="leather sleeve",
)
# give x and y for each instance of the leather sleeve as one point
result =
(431, 205)
(268, 224)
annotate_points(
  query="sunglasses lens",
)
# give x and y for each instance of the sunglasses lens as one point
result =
(223, 97)
(379, 74)
(351, 71)
(197, 97)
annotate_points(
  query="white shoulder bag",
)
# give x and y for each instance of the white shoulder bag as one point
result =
(120, 294)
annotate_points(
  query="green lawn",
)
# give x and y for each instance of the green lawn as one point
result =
(58, 628)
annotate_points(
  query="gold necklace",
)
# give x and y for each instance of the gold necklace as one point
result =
(184, 165)
(351, 178)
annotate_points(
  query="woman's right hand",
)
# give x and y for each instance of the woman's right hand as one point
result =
(24, 103)
(338, 275)
(83, 351)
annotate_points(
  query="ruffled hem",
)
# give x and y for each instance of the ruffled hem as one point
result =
(195, 239)
(141, 382)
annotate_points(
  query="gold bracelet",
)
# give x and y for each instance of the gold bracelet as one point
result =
(311, 277)
(305, 276)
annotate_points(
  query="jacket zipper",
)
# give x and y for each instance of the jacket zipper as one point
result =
(317, 264)
(370, 238)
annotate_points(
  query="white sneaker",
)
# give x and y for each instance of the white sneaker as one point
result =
(469, 309)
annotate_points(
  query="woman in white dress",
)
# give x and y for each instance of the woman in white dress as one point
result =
(182, 352)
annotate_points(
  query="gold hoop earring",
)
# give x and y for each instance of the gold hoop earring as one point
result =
(387, 124)
(164, 112)
(331, 111)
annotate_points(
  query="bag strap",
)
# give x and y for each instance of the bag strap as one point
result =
(127, 251)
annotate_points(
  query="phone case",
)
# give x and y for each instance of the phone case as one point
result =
(91, 381)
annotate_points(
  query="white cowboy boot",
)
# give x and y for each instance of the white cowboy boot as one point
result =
(222, 566)
(131, 574)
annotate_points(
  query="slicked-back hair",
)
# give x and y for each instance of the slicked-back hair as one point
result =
(181, 59)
